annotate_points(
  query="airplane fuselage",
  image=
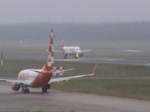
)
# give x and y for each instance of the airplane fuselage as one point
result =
(72, 50)
(36, 79)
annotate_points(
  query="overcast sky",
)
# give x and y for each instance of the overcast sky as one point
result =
(89, 11)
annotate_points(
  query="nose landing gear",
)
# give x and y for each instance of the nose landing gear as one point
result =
(77, 56)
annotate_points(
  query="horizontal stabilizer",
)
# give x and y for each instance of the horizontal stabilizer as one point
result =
(43, 72)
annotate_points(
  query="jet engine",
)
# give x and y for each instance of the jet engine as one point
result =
(15, 86)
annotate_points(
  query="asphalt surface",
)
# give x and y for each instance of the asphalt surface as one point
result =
(124, 61)
(56, 100)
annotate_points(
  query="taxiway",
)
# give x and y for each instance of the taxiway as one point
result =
(56, 100)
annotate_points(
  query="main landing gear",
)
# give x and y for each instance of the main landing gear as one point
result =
(45, 88)
(25, 90)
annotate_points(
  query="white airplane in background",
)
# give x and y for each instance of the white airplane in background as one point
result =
(40, 78)
(72, 50)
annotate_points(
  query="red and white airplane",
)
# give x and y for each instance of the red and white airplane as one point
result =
(40, 78)
(72, 50)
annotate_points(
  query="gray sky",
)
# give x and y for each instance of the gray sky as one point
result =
(89, 11)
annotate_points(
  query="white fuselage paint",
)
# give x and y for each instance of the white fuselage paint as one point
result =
(27, 75)
(72, 50)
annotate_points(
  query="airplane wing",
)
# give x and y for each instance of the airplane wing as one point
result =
(71, 77)
(116, 78)
(17, 81)
(87, 50)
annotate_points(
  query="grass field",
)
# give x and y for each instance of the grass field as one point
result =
(119, 86)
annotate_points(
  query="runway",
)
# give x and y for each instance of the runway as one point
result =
(121, 60)
(56, 100)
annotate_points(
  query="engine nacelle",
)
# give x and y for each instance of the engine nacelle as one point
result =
(15, 86)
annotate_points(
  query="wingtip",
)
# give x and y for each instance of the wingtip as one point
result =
(93, 73)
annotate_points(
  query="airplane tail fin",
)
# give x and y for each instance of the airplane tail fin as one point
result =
(50, 59)
(62, 43)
